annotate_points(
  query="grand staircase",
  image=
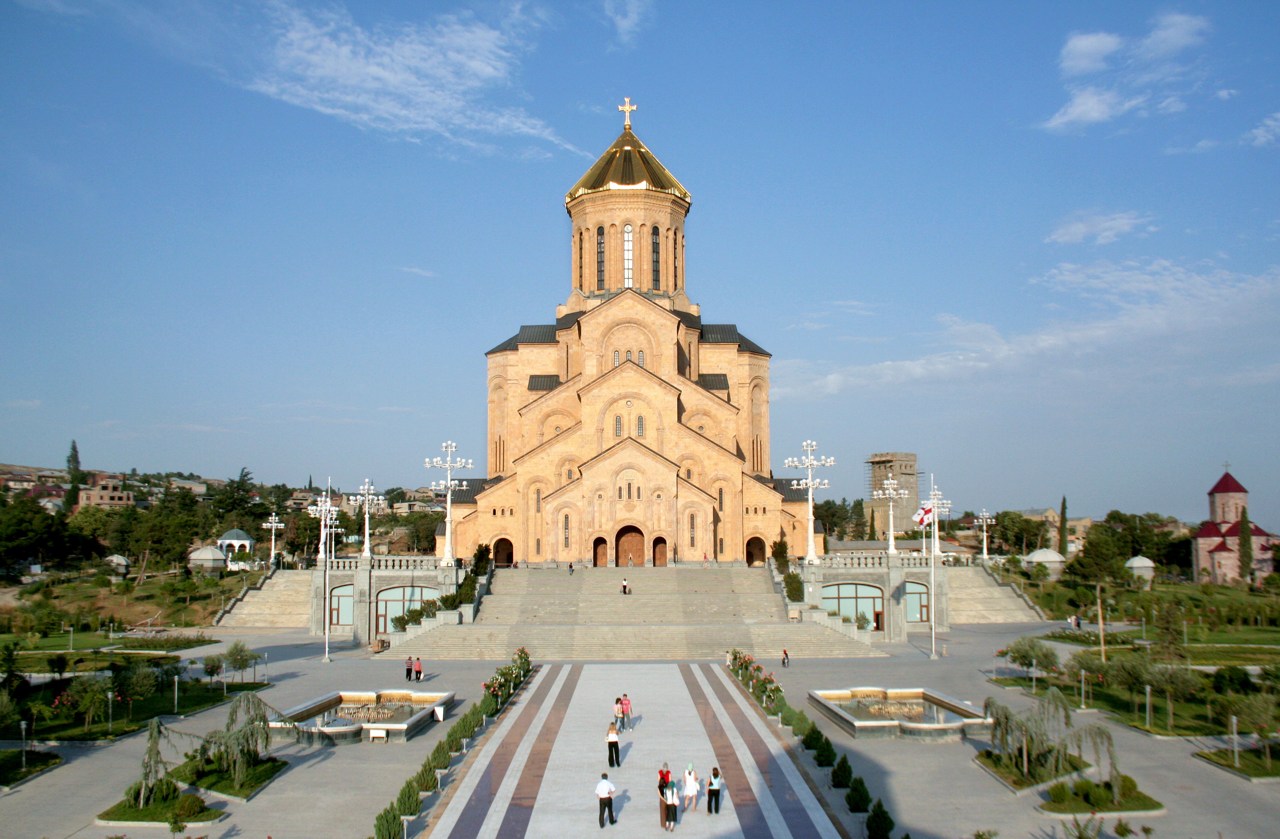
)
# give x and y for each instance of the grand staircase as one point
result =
(672, 613)
(283, 603)
(977, 598)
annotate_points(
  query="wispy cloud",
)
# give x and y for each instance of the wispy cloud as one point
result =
(1266, 133)
(1103, 229)
(1088, 53)
(1123, 308)
(1124, 74)
(1226, 93)
(23, 404)
(628, 17)
(417, 272)
(832, 311)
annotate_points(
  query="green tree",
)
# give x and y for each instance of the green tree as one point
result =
(858, 798)
(1062, 527)
(238, 657)
(1130, 674)
(858, 520)
(75, 475)
(88, 697)
(1175, 683)
(1024, 651)
(1246, 547)
(245, 738)
(1257, 713)
(1168, 646)
(136, 682)
(879, 823)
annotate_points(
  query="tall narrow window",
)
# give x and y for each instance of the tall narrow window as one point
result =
(675, 258)
(627, 253)
(566, 530)
(628, 490)
(619, 492)
(655, 243)
(537, 546)
(640, 426)
(581, 236)
(617, 358)
(537, 501)
(617, 426)
(641, 358)
(693, 529)
(721, 499)
(599, 259)
(628, 355)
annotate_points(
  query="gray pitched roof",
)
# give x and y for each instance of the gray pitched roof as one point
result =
(714, 381)
(544, 382)
(727, 333)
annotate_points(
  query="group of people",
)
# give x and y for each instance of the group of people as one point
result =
(670, 795)
(670, 792)
(413, 669)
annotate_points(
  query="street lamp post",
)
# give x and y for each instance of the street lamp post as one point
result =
(366, 498)
(940, 507)
(22, 724)
(889, 491)
(809, 483)
(448, 463)
(328, 516)
(71, 642)
(273, 524)
(985, 521)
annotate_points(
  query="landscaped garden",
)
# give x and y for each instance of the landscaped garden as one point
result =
(12, 769)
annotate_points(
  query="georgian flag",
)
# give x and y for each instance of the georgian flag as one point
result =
(923, 516)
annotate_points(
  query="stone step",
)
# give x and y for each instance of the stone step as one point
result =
(284, 602)
(573, 642)
(977, 598)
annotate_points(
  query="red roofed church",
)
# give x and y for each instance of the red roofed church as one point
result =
(1217, 542)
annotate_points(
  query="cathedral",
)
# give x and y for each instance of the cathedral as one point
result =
(629, 431)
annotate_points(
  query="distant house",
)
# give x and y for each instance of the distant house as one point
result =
(1142, 569)
(119, 564)
(1216, 546)
(107, 491)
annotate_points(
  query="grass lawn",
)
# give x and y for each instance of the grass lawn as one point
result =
(86, 662)
(206, 776)
(192, 697)
(11, 770)
(1137, 802)
(123, 811)
(59, 642)
(1011, 773)
(1224, 655)
(1252, 762)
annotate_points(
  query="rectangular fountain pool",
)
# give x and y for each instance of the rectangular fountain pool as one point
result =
(900, 712)
(350, 716)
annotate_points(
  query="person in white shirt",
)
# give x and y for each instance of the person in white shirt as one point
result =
(690, 788)
(604, 792)
(672, 799)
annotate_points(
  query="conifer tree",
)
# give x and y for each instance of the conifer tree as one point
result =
(1062, 528)
(1246, 547)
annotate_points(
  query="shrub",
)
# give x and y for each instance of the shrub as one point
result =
(794, 587)
(1123, 829)
(1232, 679)
(189, 806)
(842, 775)
(879, 824)
(399, 622)
(1059, 793)
(788, 716)
(858, 797)
(1099, 796)
(800, 727)
(1128, 788)
(825, 754)
(813, 738)
(407, 803)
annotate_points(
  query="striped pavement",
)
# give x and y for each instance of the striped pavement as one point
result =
(537, 772)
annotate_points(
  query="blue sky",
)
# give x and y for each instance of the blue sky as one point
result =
(1035, 243)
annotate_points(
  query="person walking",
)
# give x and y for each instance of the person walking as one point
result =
(604, 793)
(786, 659)
(570, 569)
(408, 669)
(615, 757)
(691, 787)
(664, 778)
(714, 784)
(671, 798)
(617, 712)
(626, 712)
(417, 669)
(626, 589)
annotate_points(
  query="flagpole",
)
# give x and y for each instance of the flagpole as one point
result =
(933, 620)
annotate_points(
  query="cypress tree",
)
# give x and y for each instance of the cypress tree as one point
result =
(1246, 547)
(1062, 528)
(871, 526)
(879, 824)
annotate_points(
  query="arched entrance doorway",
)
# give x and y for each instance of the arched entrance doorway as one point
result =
(629, 547)
(503, 553)
(659, 552)
(600, 552)
(755, 552)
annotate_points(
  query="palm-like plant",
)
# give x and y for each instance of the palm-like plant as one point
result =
(1040, 742)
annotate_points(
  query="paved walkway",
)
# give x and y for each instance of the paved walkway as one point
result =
(536, 774)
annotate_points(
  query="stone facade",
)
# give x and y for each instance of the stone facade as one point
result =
(629, 431)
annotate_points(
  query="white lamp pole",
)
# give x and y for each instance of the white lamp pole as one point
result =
(985, 521)
(448, 463)
(889, 491)
(809, 483)
(324, 510)
(366, 498)
(941, 507)
(273, 524)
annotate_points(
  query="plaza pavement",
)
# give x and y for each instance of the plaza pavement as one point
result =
(534, 771)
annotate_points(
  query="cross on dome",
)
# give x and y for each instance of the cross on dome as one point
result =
(626, 109)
